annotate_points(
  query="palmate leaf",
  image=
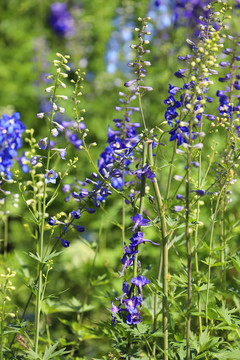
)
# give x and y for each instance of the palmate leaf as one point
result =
(49, 353)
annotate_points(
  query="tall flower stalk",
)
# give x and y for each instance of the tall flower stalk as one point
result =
(39, 295)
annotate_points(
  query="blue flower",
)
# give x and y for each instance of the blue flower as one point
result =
(43, 144)
(131, 304)
(51, 221)
(79, 228)
(140, 281)
(11, 129)
(139, 221)
(133, 318)
(23, 162)
(50, 177)
(65, 243)
(138, 239)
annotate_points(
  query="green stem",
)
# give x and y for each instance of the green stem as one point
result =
(142, 195)
(164, 261)
(41, 239)
(2, 319)
(197, 269)
(223, 242)
(196, 243)
(5, 219)
(171, 171)
(210, 252)
(188, 237)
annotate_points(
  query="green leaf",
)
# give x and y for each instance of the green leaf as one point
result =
(50, 353)
(35, 257)
(236, 263)
(227, 355)
(52, 255)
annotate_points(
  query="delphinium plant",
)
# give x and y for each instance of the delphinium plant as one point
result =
(39, 192)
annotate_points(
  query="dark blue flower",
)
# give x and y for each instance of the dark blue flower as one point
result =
(133, 318)
(51, 221)
(140, 281)
(79, 228)
(139, 221)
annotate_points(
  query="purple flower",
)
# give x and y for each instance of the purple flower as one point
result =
(43, 144)
(146, 171)
(76, 214)
(126, 263)
(200, 192)
(139, 221)
(34, 160)
(137, 239)
(131, 304)
(180, 197)
(79, 228)
(140, 281)
(62, 153)
(133, 318)
(114, 310)
(50, 177)
(178, 208)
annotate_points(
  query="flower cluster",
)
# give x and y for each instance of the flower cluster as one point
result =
(193, 98)
(10, 141)
(229, 102)
(130, 301)
(61, 20)
(115, 161)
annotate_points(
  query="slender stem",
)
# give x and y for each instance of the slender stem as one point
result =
(2, 318)
(5, 219)
(196, 243)
(48, 332)
(141, 109)
(187, 229)
(142, 195)
(223, 241)
(210, 252)
(162, 262)
(171, 171)
(197, 268)
(41, 239)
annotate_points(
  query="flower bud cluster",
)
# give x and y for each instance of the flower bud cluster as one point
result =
(138, 66)
(5, 289)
